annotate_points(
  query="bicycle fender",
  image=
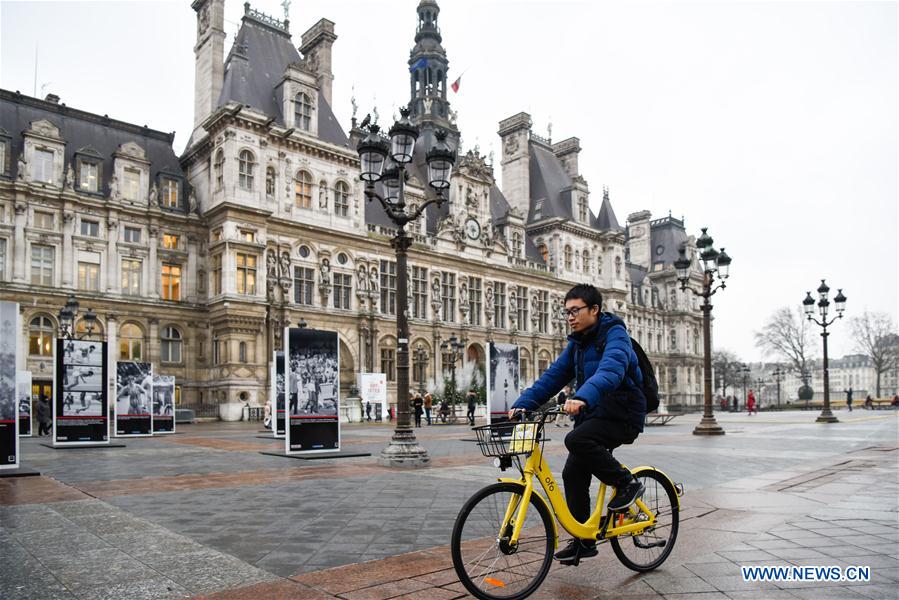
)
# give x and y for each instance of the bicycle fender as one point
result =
(542, 500)
(677, 489)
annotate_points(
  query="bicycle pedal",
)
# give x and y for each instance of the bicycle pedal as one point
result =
(573, 562)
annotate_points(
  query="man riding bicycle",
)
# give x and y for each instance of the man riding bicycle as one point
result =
(608, 405)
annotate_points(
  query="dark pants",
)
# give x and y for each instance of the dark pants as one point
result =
(589, 445)
(418, 418)
(44, 427)
(428, 415)
(470, 415)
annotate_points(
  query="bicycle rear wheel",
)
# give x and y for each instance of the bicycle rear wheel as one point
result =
(648, 550)
(487, 564)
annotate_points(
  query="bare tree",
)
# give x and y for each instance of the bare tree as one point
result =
(788, 335)
(875, 337)
(726, 366)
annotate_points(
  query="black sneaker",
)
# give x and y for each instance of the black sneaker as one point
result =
(577, 549)
(626, 495)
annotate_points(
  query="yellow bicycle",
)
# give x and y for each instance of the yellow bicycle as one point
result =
(503, 550)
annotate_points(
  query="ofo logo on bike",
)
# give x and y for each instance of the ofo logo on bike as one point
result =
(811, 573)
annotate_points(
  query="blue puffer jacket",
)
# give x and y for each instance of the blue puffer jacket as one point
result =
(610, 383)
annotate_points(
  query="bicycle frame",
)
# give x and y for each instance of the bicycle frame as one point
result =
(536, 467)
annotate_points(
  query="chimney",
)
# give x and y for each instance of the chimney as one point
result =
(566, 151)
(52, 98)
(316, 50)
(515, 133)
(639, 238)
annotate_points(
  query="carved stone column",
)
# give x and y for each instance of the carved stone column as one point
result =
(154, 268)
(192, 251)
(113, 283)
(19, 251)
(67, 262)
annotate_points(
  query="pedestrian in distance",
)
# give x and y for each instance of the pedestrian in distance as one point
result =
(849, 398)
(44, 417)
(736, 404)
(895, 402)
(750, 403)
(428, 404)
(367, 410)
(418, 407)
(869, 402)
(472, 404)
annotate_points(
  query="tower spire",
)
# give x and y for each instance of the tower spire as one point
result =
(428, 69)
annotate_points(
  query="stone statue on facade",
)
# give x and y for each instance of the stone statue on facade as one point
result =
(361, 280)
(114, 187)
(70, 178)
(323, 197)
(489, 302)
(284, 268)
(154, 193)
(192, 205)
(22, 169)
(436, 302)
(374, 285)
(513, 311)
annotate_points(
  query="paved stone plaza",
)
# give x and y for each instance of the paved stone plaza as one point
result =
(204, 513)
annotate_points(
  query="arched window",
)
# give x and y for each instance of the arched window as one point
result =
(617, 266)
(582, 209)
(672, 339)
(40, 336)
(303, 189)
(270, 182)
(242, 352)
(96, 331)
(567, 257)
(246, 164)
(170, 347)
(219, 169)
(341, 199)
(544, 252)
(302, 112)
(131, 342)
(586, 262)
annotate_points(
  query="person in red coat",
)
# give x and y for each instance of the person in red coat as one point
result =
(750, 403)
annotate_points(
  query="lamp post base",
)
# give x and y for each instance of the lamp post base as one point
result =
(708, 426)
(404, 453)
(827, 417)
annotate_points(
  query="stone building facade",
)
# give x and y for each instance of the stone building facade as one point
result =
(197, 262)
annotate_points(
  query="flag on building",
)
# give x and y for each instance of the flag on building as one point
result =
(419, 64)
(455, 85)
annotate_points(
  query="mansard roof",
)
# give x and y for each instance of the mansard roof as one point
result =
(551, 190)
(667, 235)
(81, 129)
(258, 59)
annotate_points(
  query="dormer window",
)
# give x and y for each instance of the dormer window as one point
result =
(5, 152)
(169, 193)
(582, 209)
(516, 245)
(88, 176)
(131, 184)
(43, 166)
(219, 169)
(302, 112)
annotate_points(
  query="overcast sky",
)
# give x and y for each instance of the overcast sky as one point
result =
(772, 123)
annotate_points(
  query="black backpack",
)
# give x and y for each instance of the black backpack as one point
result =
(650, 386)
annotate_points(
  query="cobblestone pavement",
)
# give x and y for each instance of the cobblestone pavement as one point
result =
(204, 513)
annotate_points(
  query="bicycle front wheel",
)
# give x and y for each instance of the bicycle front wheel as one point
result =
(648, 550)
(487, 563)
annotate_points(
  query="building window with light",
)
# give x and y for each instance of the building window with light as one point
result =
(303, 190)
(246, 166)
(88, 276)
(42, 259)
(523, 321)
(170, 345)
(131, 342)
(131, 275)
(302, 112)
(388, 363)
(171, 282)
(217, 274)
(40, 336)
(246, 274)
(388, 287)
(88, 176)
(169, 193)
(341, 199)
(170, 241)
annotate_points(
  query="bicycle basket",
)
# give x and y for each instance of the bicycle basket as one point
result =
(507, 439)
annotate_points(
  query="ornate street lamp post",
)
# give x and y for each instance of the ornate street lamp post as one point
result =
(67, 315)
(453, 349)
(745, 372)
(420, 356)
(713, 262)
(374, 153)
(778, 377)
(823, 304)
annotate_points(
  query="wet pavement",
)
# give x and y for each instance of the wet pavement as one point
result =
(204, 513)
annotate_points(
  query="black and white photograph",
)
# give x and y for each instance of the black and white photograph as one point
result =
(503, 380)
(9, 427)
(82, 352)
(80, 404)
(280, 397)
(163, 404)
(134, 399)
(82, 378)
(23, 395)
(313, 364)
(85, 404)
(134, 388)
